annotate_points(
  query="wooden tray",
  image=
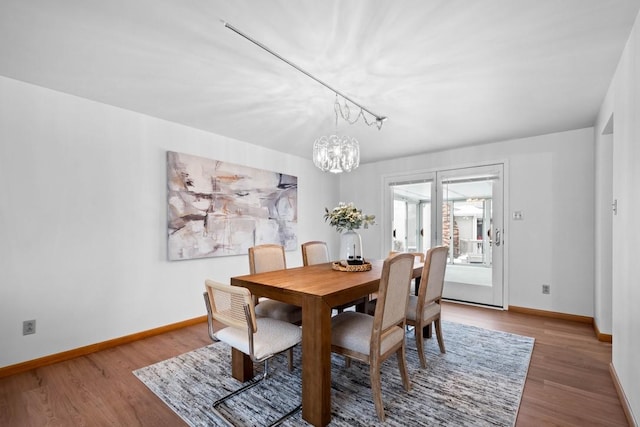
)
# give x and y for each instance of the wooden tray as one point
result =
(341, 267)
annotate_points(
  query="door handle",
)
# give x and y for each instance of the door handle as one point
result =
(497, 242)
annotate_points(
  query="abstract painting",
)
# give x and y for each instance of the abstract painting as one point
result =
(217, 208)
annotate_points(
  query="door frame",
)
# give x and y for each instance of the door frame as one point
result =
(430, 174)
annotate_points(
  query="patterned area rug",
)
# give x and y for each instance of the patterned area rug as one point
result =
(477, 382)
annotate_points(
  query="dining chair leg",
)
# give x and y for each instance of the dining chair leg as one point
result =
(286, 416)
(250, 384)
(438, 327)
(376, 389)
(402, 365)
(420, 345)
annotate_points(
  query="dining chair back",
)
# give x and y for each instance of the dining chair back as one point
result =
(265, 258)
(268, 257)
(315, 252)
(373, 339)
(392, 298)
(260, 338)
(415, 284)
(425, 308)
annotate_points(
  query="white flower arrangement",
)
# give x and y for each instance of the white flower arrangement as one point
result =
(346, 216)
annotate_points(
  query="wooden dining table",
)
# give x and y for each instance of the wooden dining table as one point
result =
(317, 289)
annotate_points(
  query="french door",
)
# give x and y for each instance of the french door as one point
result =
(469, 221)
(412, 216)
(461, 209)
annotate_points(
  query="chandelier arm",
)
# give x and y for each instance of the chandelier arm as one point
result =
(379, 119)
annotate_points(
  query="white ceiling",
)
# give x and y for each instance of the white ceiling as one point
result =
(446, 73)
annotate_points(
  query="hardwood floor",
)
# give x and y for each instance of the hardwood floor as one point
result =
(568, 382)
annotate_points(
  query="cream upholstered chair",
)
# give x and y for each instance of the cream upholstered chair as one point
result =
(260, 338)
(264, 258)
(372, 339)
(315, 252)
(425, 308)
(419, 256)
(415, 283)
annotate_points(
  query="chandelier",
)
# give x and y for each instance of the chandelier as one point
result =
(335, 153)
(332, 153)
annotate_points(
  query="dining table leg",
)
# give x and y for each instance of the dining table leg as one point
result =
(241, 366)
(316, 361)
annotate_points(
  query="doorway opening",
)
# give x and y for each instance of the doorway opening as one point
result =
(460, 209)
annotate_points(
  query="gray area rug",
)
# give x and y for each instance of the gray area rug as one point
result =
(477, 382)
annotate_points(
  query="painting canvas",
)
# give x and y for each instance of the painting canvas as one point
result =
(217, 208)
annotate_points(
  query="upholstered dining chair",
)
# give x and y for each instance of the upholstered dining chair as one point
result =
(269, 257)
(425, 307)
(317, 252)
(373, 339)
(260, 338)
(420, 256)
(373, 298)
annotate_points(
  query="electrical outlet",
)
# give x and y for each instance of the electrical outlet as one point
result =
(28, 327)
(546, 289)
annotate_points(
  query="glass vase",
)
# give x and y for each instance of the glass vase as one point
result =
(351, 248)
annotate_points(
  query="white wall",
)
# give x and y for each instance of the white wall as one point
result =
(83, 220)
(623, 101)
(550, 179)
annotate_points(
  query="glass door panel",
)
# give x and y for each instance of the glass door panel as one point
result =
(471, 204)
(399, 226)
(411, 221)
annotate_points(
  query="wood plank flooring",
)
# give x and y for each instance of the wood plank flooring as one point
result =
(568, 382)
